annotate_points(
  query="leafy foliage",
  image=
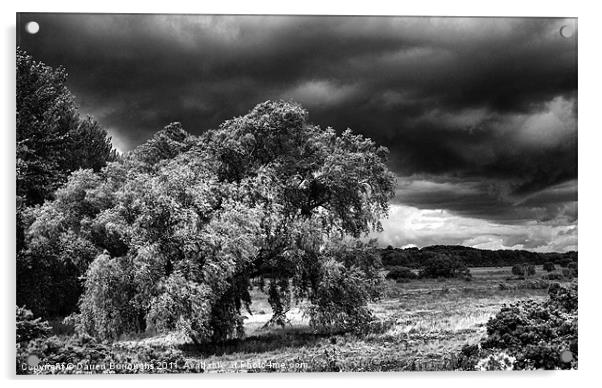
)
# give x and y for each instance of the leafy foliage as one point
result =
(82, 354)
(29, 328)
(401, 274)
(340, 300)
(535, 334)
(443, 266)
(574, 268)
(548, 266)
(523, 270)
(170, 236)
(472, 257)
(529, 270)
(52, 141)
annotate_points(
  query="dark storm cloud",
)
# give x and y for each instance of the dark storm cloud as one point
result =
(486, 106)
(483, 199)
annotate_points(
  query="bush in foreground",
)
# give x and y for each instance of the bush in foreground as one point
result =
(82, 354)
(536, 335)
(29, 328)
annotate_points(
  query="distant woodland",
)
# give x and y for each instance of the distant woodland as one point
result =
(472, 257)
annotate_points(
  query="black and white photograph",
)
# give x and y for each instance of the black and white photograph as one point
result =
(221, 193)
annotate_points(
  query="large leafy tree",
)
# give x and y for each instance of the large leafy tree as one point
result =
(52, 141)
(52, 138)
(173, 234)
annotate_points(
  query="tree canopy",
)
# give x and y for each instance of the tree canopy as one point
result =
(53, 140)
(171, 235)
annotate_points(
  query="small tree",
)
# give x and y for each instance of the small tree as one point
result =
(518, 270)
(549, 266)
(443, 266)
(523, 270)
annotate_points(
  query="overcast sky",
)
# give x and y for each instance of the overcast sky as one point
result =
(480, 114)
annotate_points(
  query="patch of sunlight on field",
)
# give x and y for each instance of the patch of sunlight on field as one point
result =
(434, 324)
(157, 340)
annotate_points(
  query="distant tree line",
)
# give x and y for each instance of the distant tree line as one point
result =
(435, 267)
(473, 257)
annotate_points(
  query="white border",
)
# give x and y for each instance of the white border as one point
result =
(589, 180)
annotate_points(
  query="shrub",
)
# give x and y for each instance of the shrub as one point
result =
(474, 357)
(443, 266)
(83, 354)
(518, 270)
(549, 266)
(496, 361)
(564, 298)
(29, 328)
(523, 270)
(401, 274)
(568, 273)
(573, 267)
(533, 333)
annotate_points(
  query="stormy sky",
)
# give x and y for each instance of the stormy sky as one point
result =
(480, 114)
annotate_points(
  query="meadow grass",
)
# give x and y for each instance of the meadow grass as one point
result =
(424, 324)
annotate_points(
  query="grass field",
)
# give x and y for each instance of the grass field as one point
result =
(423, 324)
